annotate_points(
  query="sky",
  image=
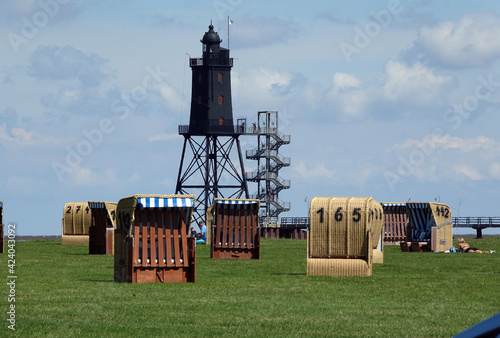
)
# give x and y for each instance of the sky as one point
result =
(397, 100)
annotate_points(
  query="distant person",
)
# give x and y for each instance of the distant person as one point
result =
(465, 247)
(193, 232)
(270, 194)
(203, 230)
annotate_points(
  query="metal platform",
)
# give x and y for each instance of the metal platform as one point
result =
(478, 223)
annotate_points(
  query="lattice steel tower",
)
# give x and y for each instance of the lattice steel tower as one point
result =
(211, 134)
(269, 163)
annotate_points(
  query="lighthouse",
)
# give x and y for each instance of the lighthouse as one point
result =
(211, 140)
(211, 107)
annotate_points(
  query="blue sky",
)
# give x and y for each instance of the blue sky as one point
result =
(396, 100)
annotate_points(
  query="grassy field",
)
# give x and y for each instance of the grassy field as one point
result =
(63, 291)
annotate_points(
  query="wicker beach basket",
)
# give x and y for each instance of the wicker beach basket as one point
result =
(76, 221)
(341, 235)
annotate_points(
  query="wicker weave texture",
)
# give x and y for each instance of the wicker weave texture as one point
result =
(338, 267)
(341, 236)
(76, 218)
(339, 225)
(442, 237)
(377, 226)
(431, 222)
(441, 213)
(378, 256)
(111, 211)
(210, 221)
(377, 221)
(75, 240)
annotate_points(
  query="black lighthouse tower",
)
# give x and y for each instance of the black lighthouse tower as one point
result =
(211, 134)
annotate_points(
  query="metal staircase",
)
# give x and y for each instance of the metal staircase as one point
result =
(269, 162)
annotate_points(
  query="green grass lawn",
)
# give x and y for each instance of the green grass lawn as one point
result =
(63, 291)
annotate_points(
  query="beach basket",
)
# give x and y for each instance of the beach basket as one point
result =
(152, 241)
(342, 234)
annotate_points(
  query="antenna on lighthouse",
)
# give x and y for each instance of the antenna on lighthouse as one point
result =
(229, 22)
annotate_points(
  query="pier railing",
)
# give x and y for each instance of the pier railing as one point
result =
(478, 223)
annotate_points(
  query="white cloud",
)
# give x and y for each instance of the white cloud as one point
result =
(448, 142)
(494, 170)
(344, 81)
(82, 176)
(70, 76)
(403, 89)
(417, 83)
(270, 79)
(467, 172)
(171, 97)
(67, 63)
(472, 41)
(466, 145)
(19, 137)
(65, 98)
(319, 171)
(346, 98)
(265, 87)
(443, 157)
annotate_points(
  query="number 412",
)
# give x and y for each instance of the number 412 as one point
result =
(443, 211)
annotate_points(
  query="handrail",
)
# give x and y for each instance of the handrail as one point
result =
(273, 154)
(277, 180)
(458, 222)
(256, 174)
(279, 204)
(212, 61)
(476, 222)
(268, 131)
(211, 129)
